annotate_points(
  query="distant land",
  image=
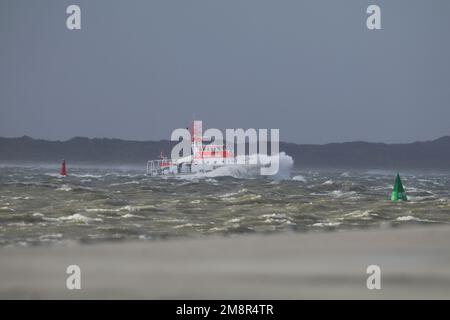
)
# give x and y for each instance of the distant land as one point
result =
(433, 154)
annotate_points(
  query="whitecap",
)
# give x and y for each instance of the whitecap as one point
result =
(234, 220)
(411, 218)
(299, 178)
(64, 188)
(186, 225)
(339, 193)
(124, 183)
(79, 218)
(274, 216)
(87, 175)
(55, 175)
(407, 218)
(216, 229)
(232, 194)
(228, 195)
(421, 198)
(50, 237)
(19, 224)
(358, 214)
(129, 215)
(136, 208)
(326, 224)
(101, 210)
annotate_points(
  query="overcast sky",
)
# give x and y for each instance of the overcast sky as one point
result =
(139, 69)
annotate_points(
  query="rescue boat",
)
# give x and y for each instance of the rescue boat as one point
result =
(205, 157)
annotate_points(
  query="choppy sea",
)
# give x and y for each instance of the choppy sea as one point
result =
(91, 205)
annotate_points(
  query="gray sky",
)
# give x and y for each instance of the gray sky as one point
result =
(139, 69)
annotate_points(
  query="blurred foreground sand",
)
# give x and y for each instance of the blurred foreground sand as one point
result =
(415, 263)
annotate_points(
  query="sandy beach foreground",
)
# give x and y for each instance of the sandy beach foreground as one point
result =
(415, 263)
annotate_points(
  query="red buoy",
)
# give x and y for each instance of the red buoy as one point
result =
(63, 171)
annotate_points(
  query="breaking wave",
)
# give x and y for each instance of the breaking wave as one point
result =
(79, 218)
(411, 218)
(299, 178)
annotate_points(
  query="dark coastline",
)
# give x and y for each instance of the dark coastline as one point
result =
(433, 154)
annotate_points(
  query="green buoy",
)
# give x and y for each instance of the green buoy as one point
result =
(398, 192)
